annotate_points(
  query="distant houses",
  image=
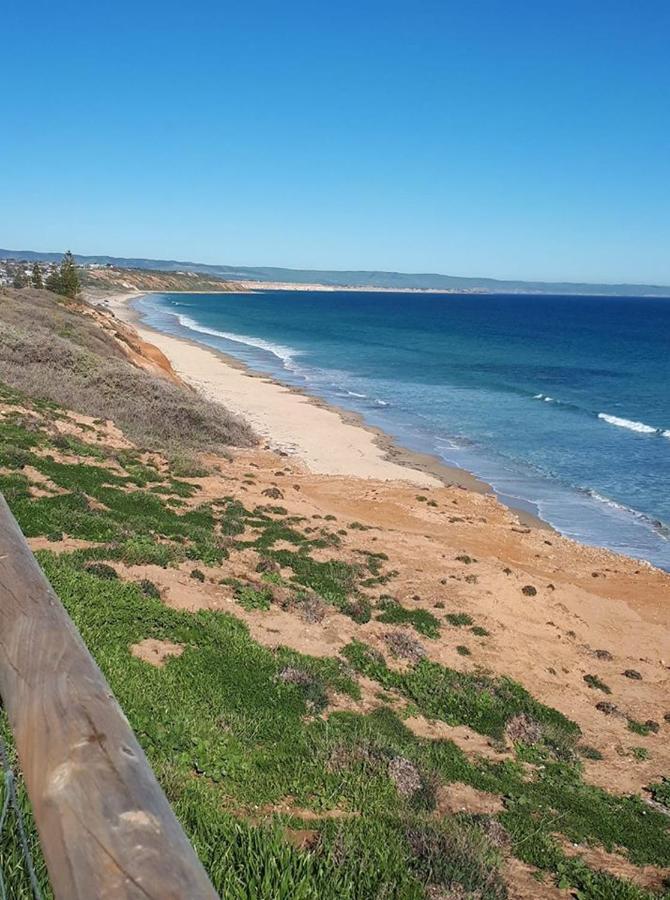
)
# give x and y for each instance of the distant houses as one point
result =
(22, 269)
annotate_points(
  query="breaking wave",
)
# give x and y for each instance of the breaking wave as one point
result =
(618, 421)
(631, 425)
(285, 354)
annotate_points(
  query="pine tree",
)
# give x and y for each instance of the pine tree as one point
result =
(37, 279)
(53, 282)
(68, 277)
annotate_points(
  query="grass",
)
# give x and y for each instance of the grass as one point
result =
(420, 619)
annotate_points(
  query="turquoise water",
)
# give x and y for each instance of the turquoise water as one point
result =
(561, 403)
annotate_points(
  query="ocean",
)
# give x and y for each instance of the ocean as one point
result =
(561, 403)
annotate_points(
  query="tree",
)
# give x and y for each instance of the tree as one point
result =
(53, 282)
(37, 279)
(65, 280)
(19, 280)
(69, 278)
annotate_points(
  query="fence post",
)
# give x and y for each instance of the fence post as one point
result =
(106, 828)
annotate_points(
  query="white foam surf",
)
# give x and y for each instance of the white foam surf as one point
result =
(630, 424)
(285, 354)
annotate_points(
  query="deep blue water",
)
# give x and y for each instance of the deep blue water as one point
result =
(561, 403)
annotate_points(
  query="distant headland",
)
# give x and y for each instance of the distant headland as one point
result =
(315, 279)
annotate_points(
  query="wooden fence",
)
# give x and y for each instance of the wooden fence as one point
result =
(105, 826)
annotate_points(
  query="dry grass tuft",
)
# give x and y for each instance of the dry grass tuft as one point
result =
(404, 645)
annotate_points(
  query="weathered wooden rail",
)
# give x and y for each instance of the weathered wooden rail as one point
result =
(105, 826)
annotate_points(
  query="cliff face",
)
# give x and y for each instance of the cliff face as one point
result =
(137, 351)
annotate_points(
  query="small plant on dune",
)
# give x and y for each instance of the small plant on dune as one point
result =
(311, 608)
(524, 729)
(420, 619)
(632, 674)
(273, 493)
(404, 645)
(405, 776)
(183, 465)
(660, 792)
(149, 589)
(358, 609)
(479, 631)
(310, 686)
(528, 590)
(198, 575)
(589, 752)
(101, 570)
(641, 728)
(459, 619)
(251, 598)
(594, 682)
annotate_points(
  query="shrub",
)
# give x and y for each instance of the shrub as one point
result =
(660, 792)
(183, 465)
(101, 570)
(404, 645)
(273, 493)
(479, 631)
(149, 589)
(405, 776)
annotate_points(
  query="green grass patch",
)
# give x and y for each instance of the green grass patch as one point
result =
(420, 619)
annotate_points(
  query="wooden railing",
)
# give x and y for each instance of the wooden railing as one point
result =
(105, 826)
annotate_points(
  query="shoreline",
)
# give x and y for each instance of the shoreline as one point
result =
(354, 447)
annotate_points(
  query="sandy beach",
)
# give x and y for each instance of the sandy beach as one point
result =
(327, 440)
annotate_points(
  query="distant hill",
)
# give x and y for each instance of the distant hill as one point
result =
(356, 279)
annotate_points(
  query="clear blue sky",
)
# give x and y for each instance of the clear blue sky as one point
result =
(508, 138)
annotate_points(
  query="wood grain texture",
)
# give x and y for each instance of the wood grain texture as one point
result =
(106, 828)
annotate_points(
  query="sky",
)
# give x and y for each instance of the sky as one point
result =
(512, 139)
